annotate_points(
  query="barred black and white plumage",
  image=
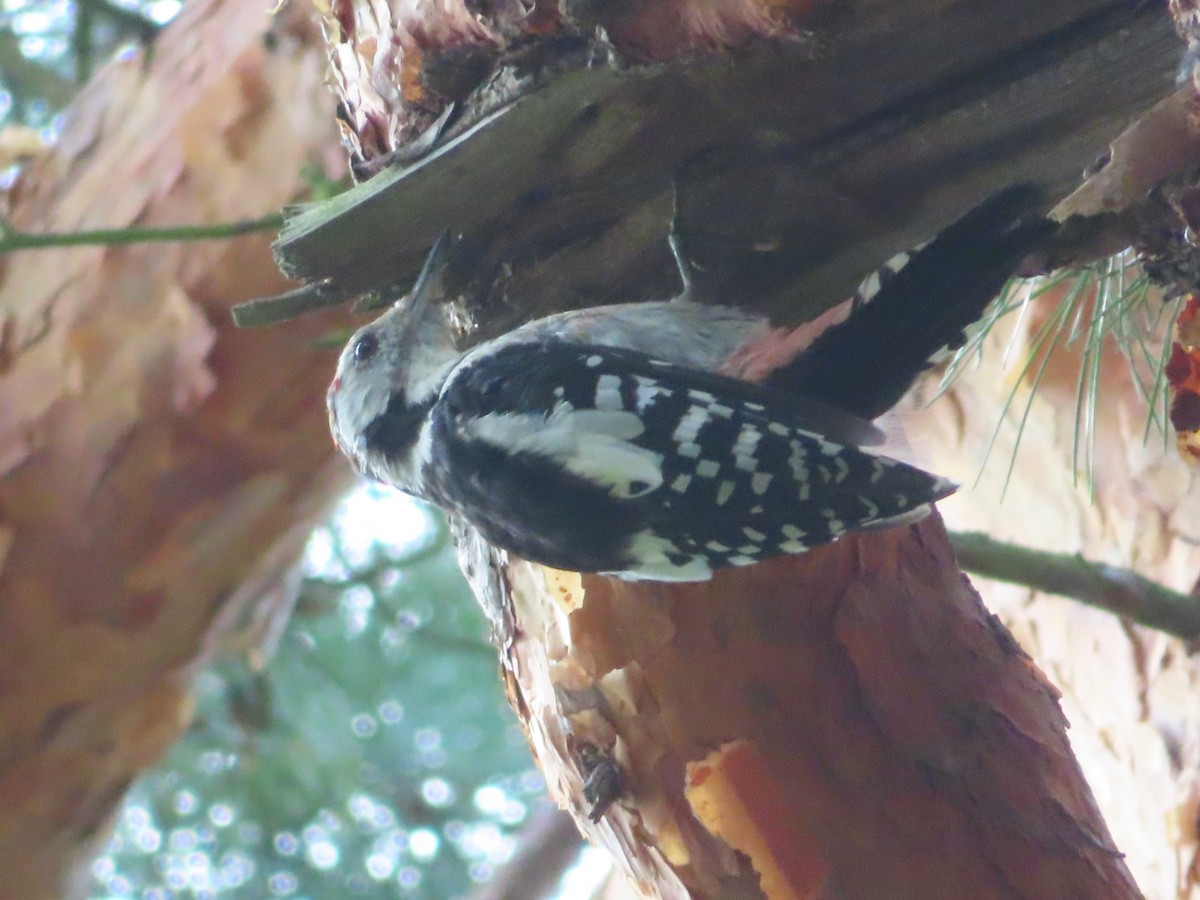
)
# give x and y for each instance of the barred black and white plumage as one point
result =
(622, 463)
(605, 441)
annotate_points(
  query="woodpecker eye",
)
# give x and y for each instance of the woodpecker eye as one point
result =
(365, 347)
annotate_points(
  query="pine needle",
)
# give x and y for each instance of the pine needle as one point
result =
(1109, 300)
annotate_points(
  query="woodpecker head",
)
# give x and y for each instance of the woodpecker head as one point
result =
(388, 378)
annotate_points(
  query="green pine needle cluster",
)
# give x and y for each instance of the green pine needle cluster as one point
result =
(1111, 300)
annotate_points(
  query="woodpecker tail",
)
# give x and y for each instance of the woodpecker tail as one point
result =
(917, 305)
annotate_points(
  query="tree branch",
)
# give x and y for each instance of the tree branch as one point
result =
(840, 187)
(12, 240)
(286, 306)
(1106, 587)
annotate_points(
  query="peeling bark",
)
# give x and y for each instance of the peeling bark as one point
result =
(1132, 694)
(159, 471)
(799, 164)
(852, 720)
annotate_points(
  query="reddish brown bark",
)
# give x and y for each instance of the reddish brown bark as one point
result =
(877, 732)
(1132, 694)
(158, 470)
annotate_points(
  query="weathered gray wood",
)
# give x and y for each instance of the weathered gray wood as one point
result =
(800, 164)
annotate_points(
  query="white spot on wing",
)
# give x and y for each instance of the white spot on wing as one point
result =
(868, 288)
(724, 492)
(744, 447)
(796, 462)
(593, 361)
(680, 484)
(747, 440)
(836, 526)
(689, 426)
(760, 482)
(647, 392)
(608, 393)
(706, 468)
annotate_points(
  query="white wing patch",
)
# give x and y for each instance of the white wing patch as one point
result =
(592, 444)
(652, 562)
(724, 492)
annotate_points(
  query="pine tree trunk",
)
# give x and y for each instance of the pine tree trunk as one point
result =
(852, 722)
(159, 471)
(1130, 692)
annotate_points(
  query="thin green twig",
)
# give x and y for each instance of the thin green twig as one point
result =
(12, 240)
(1106, 587)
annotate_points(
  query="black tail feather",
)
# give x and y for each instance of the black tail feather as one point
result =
(865, 364)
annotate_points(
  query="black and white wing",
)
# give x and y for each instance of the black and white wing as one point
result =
(595, 458)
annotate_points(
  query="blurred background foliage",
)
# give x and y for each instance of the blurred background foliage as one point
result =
(49, 48)
(373, 755)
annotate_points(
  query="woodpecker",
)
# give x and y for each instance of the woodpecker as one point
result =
(609, 440)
